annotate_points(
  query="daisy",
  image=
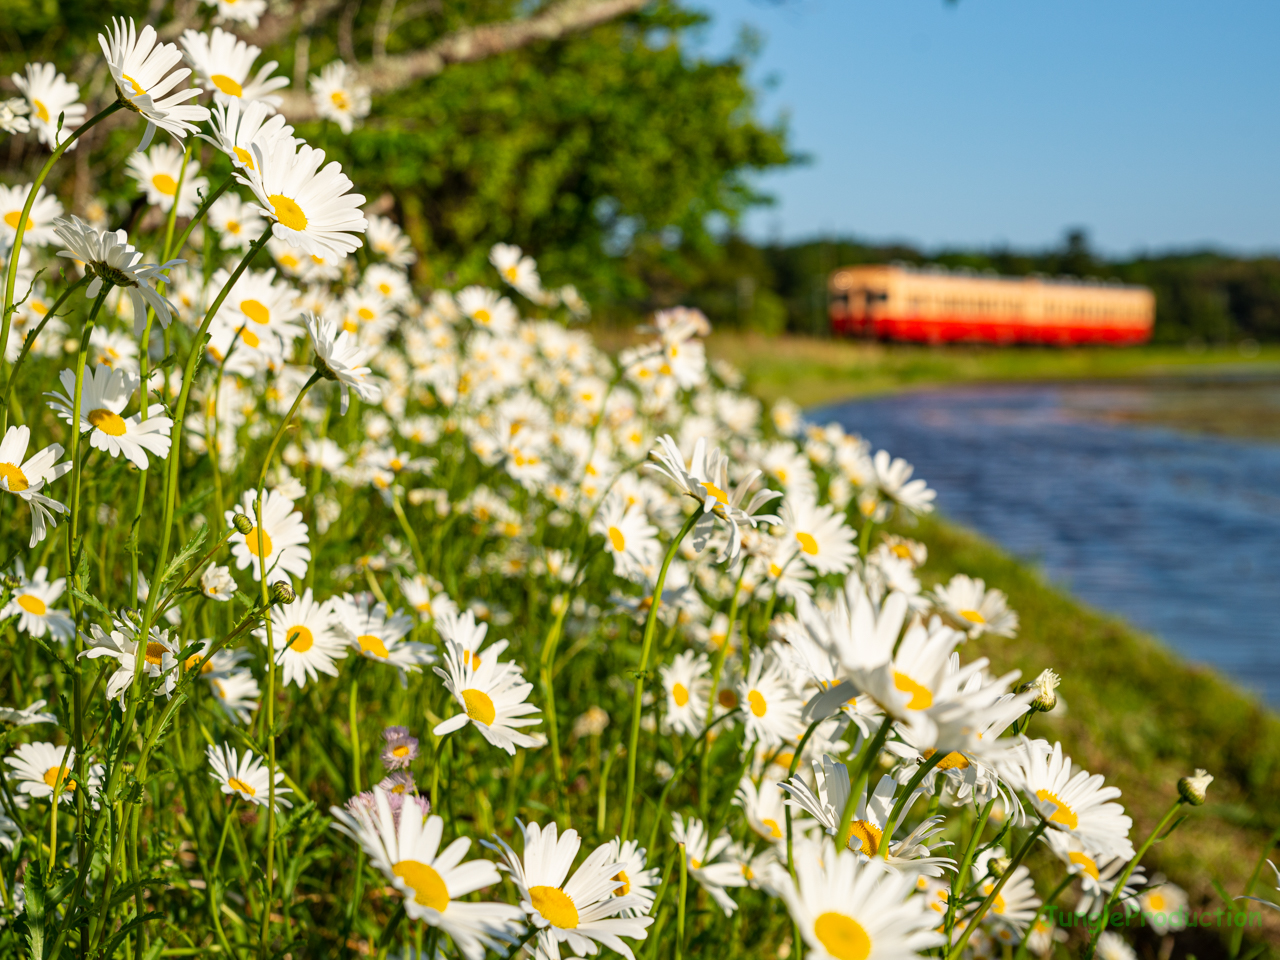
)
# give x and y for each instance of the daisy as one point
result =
(238, 223)
(282, 537)
(216, 583)
(688, 685)
(705, 863)
(27, 716)
(406, 848)
(629, 537)
(338, 98)
(33, 601)
(771, 709)
(114, 349)
(1016, 904)
(237, 694)
(1112, 946)
(386, 281)
(158, 172)
(40, 767)
(141, 70)
(1078, 805)
(240, 11)
(826, 805)
(121, 643)
(968, 605)
(379, 633)
(238, 125)
(388, 241)
(1164, 906)
(51, 97)
(493, 697)
(518, 270)
(223, 63)
(846, 909)
(764, 809)
(340, 357)
(107, 255)
(245, 777)
(262, 305)
(1097, 878)
(893, 479)
(427, 597)
(706, 481)
(103, 394)
(824, 539)
(579, 911)
(305, 639)
(25, 477)
(13, 115)
(44, 213)
(637, 881)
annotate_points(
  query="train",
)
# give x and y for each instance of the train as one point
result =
(935, 305)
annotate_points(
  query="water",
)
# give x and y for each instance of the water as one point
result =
(1177, 532)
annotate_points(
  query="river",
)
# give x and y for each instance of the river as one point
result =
(1157, 501)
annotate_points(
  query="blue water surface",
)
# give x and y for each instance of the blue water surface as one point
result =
(1179, 534)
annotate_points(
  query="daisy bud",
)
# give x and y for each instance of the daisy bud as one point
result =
(282, 592)
(998, 866)
(242, 523)
(1192, 789)
(10, 581)
(1045, 687)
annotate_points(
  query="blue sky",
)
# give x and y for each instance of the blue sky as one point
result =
(1153, 125)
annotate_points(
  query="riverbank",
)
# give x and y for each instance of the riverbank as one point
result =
(813, 371)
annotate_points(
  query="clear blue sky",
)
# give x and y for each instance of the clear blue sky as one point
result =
(1153, 124)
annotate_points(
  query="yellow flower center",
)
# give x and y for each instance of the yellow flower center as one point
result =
(555, 906)
(155, 653)
(482, 316)
(109, 423)
(17, 479)
(340, 100)
(165, 184)
(365, 314)
(32, 604)
(374, 645)
(41, 110)
(400, 751)
(680, 694)
(901, 551)
(867, 835)
(301, 638)
(250, 338)
(617, 539)
(14, 217)
(1083, 860)
(427, 885)
(759, 706)
(623, 890)
(54, 774)
(235, 783)
(384, 289)
(1064, 815)
(251, 541)
(244, 156)
(232, 227)
(952, 761)
(716, 493)
(228, 86)
(808, 544)
(479, 706)
(1155, 901)
(350, 326)
(842, 936)
(511, 274)
(774, 830)
(973, 616)
(921, 696)
(288, 212)
(137, 87)
(256, 311)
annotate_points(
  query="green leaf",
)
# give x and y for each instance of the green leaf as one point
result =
(35, 912)
(187, 553)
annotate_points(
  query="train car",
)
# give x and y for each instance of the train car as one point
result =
(933, 305)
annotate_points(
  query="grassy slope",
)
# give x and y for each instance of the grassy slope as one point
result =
(1135, 711)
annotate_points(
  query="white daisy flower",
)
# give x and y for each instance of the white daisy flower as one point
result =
(27, 716)
(388, 241)
(340, 357)
(405, 846)
(637, 881)
(687, 683)
(378, 633)
(579, 911)
(305, 638)
(707, 860)
(236, 126)
(107, 255)
(44, 213)
(1078, 804)
(157, 172)
(223, 62)
(33, 601)
(629, 537)
(847, 909)
(493, 695)
(517, 269)
(283, 536)
(1015, 906)
(427, 597)
(245, 777)
(1112, 946)
(893, 479)
(764, 809)
(158, 660)
(41, 766)
(103, 394)
(141, 68)
(338, 97)
(238, 11)
(968, 605)
(216, 583)
(13, 115)
(825, 541)
(771, 709)
(25, 477)
(385, 280)
(264, 306)
(50, 96)
(1164, 905)
(237, 694)
(238, 223)
(1097, 877)
(114, 349)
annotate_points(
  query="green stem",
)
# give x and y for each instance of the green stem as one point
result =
(858, 778)
(684, 886)
(973, 921)
(353, 718)
(647, 645)
(966, 860)
(717, 671)
(900, 804)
